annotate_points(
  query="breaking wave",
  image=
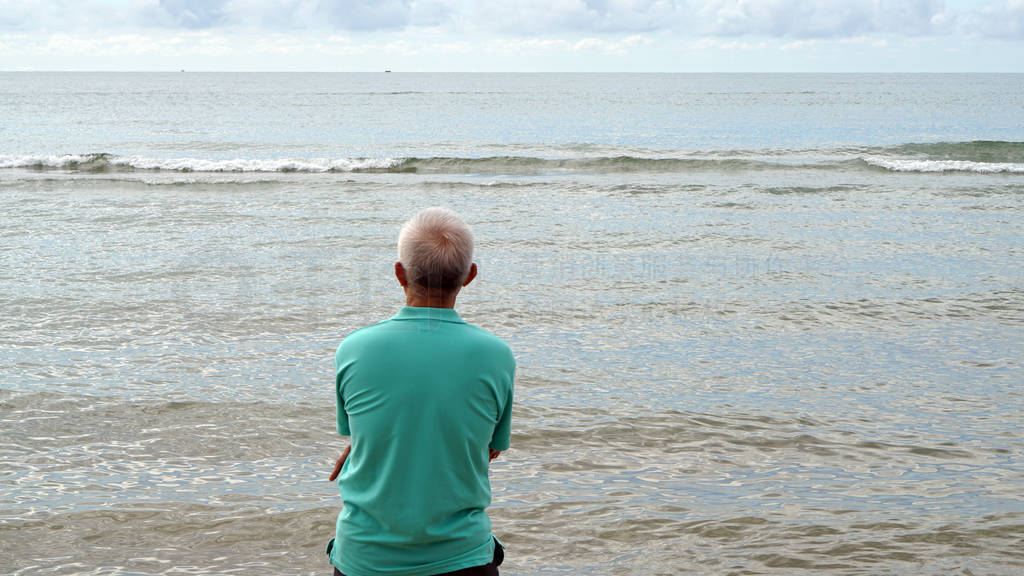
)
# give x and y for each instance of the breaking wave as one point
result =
(978, 157)
(906, 165)
(114, 163)
(428, 165)
(982, 156)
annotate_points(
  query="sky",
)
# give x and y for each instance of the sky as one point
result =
(514, 35)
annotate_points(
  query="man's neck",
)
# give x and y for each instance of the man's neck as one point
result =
(418, 300)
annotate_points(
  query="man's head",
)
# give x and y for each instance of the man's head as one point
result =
(435, 253)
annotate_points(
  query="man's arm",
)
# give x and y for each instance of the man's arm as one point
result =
(341, 462)
(493, 454)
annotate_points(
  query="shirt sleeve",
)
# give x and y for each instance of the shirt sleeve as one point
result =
(343, 428)
(501, 439)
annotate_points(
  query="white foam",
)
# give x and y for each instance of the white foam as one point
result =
(251, 165)
(202, 165)
(907, 165)
(49, 161)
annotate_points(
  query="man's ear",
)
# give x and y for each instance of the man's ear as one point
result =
(400, 274)
(471, 275)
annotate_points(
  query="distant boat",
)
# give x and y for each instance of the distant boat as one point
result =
(387, 71)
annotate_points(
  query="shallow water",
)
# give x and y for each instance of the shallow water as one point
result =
(793, 353)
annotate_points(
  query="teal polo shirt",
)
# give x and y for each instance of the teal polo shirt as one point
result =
(423, 396)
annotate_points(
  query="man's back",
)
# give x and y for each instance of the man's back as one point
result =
(424, 396)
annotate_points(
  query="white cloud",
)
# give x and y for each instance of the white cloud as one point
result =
(608, 47)
(316, 14)
(530, 16)
(127, 44)
(68, 15)
(1004, 19)
(819, 18)
(800, 45)
(18, 15)
(717, 44)
(436, 12)
(637, 15)
(636, 40)
(367, 14)
(595, 16)
(537, 47)
(771, 18)
(191, 13)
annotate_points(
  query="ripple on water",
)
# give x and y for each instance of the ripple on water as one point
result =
(817, 373)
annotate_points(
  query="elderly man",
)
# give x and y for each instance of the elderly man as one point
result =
(427, 400)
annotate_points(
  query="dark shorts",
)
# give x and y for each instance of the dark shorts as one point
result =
(489, 569)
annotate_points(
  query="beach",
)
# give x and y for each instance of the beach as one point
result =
(764, 324)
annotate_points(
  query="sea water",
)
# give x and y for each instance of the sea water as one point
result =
(765, 324)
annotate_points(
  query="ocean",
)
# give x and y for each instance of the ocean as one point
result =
(764, 324)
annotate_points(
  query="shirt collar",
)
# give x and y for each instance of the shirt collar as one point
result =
(423, 313)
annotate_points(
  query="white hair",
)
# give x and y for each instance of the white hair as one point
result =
(435, 248)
